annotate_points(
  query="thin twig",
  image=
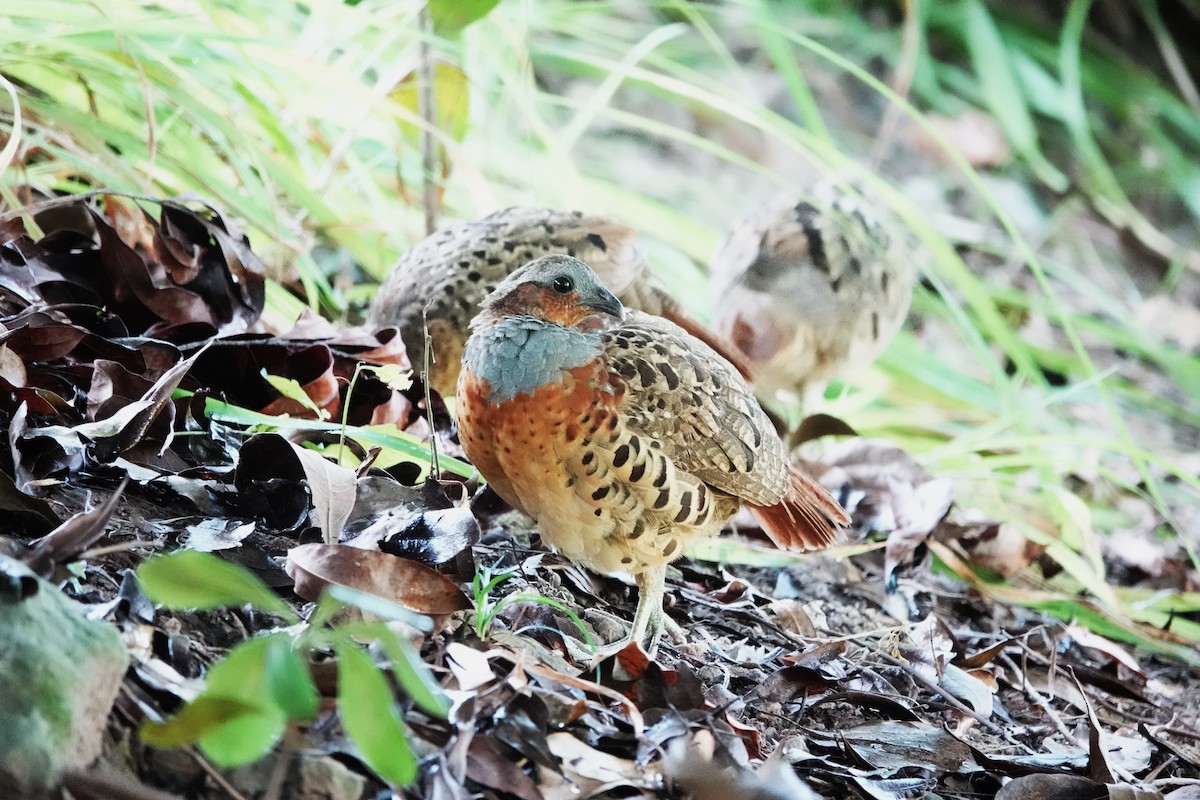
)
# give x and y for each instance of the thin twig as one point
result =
(427, 109)
(1037, 697)
(433, 451)
(217, 777)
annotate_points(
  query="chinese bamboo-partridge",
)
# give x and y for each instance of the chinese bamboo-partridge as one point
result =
(622, 435)
(439, 283)
(810, 289)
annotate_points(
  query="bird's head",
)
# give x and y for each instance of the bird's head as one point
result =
(557, 289)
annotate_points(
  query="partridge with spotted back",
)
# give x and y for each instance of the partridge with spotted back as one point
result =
(439, 283)
(811, 288)
(622, 435)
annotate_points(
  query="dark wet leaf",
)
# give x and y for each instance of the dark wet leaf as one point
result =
(40, 456)
(270, 482)
(33, 514)
(488, 764)
(135, 419)
(435, 537)
(74, 536)
(141, 293)
(35, 336)
(523, 724)
(792, 683)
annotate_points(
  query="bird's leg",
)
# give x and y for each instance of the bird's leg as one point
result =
(648, 619)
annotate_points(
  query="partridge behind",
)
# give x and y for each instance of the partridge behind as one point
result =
(809, 290)
(441, 280)
(625, 437)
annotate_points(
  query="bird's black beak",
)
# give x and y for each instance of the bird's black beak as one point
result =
(605, 302)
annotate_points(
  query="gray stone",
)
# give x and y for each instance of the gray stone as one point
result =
(59, 676)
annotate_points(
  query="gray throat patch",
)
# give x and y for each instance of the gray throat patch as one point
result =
(520, 354)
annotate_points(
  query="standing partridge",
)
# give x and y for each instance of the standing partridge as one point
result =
(809, 290)
(439, 283)
(625, 437)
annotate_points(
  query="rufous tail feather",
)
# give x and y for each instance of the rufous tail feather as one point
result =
(808, 518)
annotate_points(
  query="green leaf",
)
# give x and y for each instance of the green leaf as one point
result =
(451, 16)
(289, 680)
(394, 375)
(1001, 91)
(370, 716)
(398, 445)
(243, 676)
(188, 579)
(198, 718)
(450, 93)
(413, 676)
(292, 390)
(380, 607)
(239, 717)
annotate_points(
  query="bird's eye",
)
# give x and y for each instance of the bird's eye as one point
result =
(563, 284)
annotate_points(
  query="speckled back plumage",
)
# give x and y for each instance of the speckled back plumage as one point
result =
(809, 289)
(447, 274)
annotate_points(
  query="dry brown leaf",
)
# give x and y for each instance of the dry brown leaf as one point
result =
(586, 771)
(792, 617)
(412, 585)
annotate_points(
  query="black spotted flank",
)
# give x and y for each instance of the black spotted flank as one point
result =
(816, 248)
(660, 480)
(805, 214)
(621, 456)
(669, 374)
(647, 373)
(685, 507)
(598, 240)
(639, 469)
